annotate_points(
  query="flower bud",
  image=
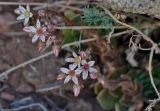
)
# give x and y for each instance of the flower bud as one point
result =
(17, 11)
(83, 55)
(93, 75)
(61, 76)
(76, 90)
(56, 50)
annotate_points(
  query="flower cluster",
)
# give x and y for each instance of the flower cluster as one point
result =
(80, 67)
(41, 32)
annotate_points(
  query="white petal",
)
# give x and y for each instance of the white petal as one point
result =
(75, 64)
(69, 60)
(21, 17)
(29, 29)
(74, 54)
(75, 79)
(22, 9)
(79, 68)
(91, 63)
(92, 70)
(76, 90)
(84, 62)
(28, 8)
(35, 38)
(31, 15)
(67, 79)
(26, 20)
(72, 66)
(42, 38)
(78, 71)
(38, 24)
(64, 70)
(85, 75)
(79, 65)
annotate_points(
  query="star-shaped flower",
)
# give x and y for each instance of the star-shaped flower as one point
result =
(71, 74)
(25, 14)
(76, 60)
(87, 68)
(38, 31)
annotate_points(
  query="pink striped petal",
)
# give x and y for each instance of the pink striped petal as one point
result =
(91, 63)
(22, 9)
(84, 62)
(74, 54)
(64, 70)
(67, 79)
(75, 79)
(21, 17)
(38, 25)
(29, 29)
(35, 38)
(69, 60)
(42, 38)
(72, 66)
(85, 75)
(78, 71)
(92, 70)
(26, 20)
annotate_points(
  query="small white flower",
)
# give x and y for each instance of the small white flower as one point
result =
(87, 68)
(76, 60)
(71, 74)
(25, 14)
(38, 31)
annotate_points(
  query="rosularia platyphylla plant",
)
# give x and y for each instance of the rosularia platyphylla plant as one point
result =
(81, 66)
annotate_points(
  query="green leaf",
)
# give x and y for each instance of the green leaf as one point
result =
(70, 14)
(94, 16)
(144, 80)
(70, 36)
(98, 87)
(106, 100)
